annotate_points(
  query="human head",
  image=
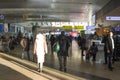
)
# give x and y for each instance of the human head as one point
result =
(93, 43)
(26, 35)
(62, 32)
(39, 36)
(111, 33)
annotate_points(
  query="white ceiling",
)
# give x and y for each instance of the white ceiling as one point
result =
(61, 10)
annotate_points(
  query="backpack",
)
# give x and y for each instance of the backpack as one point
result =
(93, 49)
(57, 47)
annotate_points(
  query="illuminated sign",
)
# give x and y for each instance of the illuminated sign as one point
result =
(113, 18)
(117, 28)
(67, 27)
(78, 27)
(90, 27)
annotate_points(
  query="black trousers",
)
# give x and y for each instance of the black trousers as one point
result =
(94, 56)
(110, 61)
(105, 56)
(82, 51)
(62, 61)
(28, 55)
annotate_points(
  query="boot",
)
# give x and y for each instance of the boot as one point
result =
(38, 67)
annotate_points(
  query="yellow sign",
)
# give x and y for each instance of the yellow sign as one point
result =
(79, 30)
(79, 27)
(67, 27)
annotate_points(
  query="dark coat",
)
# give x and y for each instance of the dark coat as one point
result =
(27, 47)
(109, 45)
(63, 46)
(93, 49)
(105, 41)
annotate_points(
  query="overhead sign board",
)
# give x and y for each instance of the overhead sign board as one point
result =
(113, 18)
(90, 27)
(79, 27)
(67, 27)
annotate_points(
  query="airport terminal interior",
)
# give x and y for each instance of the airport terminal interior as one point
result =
(77, 39)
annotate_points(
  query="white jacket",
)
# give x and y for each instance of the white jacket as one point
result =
(40, 47)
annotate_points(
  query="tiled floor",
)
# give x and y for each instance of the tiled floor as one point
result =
(78, 66)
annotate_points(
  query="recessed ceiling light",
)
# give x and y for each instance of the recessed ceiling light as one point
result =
(54, 0)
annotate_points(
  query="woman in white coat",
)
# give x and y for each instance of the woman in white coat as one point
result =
(40, 49)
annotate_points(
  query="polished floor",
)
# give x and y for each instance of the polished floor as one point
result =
(77, 65)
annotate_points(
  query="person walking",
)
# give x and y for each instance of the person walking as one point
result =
(94, 50)
(52, 40)
(110, 49)
(25, 43)
(83, 47)
(63, 52)
(105, 48)
(40, 49)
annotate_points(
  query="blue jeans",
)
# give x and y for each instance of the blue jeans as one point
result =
(28, 54)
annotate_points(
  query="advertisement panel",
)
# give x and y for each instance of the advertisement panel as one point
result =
(5, 27)
(79, 27)
(67, 27)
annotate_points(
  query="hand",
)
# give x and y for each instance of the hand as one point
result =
(34, 53)
(108, 51)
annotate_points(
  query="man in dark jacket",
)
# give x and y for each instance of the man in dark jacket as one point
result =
(63, 52)
(52, 40)
(105, 48)
(110, 49)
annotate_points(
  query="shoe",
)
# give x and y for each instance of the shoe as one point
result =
(65, 70)
(38, 70)
(111, 69)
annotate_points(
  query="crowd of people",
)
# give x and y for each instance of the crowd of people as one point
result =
(63, 42)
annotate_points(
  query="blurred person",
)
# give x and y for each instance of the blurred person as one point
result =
(31, 39)
(87, 56)
(11, 43)
(110, 49)
(94, 50)
(40, 49)
(25, 43)
(105, 47)
(5, 43)
(79, 39)
(83, 42)
(52, 40)
(63, 52)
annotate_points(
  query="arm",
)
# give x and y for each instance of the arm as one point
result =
(35, 45)
(24, 43)
(45, 46)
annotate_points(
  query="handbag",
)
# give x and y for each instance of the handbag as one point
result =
(57, 47)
